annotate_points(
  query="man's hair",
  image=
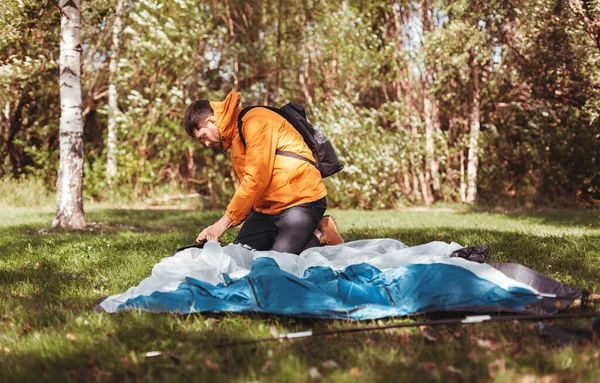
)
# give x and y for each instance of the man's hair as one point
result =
(196, 115)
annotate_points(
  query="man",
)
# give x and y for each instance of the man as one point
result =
(281, 200)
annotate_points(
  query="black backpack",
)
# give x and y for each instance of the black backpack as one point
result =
(326, 159)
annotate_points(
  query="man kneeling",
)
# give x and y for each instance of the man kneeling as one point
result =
(281, 199)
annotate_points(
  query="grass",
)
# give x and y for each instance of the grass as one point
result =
(50, 280)
(26, 192)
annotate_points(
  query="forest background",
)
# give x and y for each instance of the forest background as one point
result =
(494, 102)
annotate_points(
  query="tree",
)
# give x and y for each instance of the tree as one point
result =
(474, 125)
(111, 147)
(69, 185)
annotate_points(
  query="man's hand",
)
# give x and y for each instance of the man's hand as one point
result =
(213, 232)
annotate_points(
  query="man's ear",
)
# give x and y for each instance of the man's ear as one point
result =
(211, 119)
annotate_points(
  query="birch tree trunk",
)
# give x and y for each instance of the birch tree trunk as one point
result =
(430, 107)
(473, 157)
(111, 146)
(69, 186)
(432, 126)
(463, 183)
(5, 122)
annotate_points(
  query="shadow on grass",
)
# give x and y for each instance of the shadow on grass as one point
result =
(577, 218)
(162, 218)
(451, 353)
(187, 342)
(43, 304)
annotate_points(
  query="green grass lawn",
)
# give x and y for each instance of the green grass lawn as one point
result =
(50, 280)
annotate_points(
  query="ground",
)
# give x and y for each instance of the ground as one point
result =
(50, 280)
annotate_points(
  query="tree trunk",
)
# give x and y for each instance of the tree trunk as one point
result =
(473, 159)
(432, 126)
(418, 197)
(304, 74)
(236, 64)
(69, 186)
(430, 107)
(5, 124)
(278, 54)
(463, 184)
(191, 166)
(111, 147)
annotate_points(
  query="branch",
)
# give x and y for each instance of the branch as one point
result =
(57, 5)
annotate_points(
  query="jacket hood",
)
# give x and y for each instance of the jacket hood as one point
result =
(226, 116)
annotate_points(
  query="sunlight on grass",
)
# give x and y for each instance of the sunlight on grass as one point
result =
(50, 280)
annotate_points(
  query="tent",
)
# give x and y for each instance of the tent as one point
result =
(365, 279)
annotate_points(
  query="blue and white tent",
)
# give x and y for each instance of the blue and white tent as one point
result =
(357, 280)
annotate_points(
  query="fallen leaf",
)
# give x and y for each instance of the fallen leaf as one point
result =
(497, 367)
(99, 374)
(37, 290)
(25, 330)
(329, 364)
(174, 359)
(485, 343)
(266, 366)
(314, 373)
(37, 265)
(473, 356)
(127, 364)
(429, 337)
(455, 370)
(404, 338)
(355, 371)
(428, 365)
(212, 365)
(550, 379)
(70, 336)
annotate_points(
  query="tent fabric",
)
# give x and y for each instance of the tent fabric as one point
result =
(543, 284)
(358, 280)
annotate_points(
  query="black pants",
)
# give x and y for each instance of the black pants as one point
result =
(290, 231)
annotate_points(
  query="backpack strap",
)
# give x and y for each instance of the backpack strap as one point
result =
(246, 110)
(280, 152)
(296, 156)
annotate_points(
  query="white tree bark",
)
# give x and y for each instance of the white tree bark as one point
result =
(111, 150)
(463, 181)
(432, 126)
(473, 157)
(69, 186)
(5, 122)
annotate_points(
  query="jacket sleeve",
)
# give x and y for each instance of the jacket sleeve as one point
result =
(261, 143)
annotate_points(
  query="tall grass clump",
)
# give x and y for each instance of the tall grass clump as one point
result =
(25, 192)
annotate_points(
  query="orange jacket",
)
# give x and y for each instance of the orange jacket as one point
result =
(268, 183)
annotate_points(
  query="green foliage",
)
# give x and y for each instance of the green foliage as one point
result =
(370, 178)
(366, 84)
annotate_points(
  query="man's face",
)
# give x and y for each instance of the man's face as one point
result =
(209, 134)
